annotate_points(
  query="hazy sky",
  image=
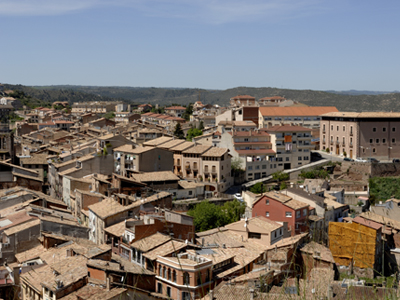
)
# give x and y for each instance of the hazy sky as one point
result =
(298, 44)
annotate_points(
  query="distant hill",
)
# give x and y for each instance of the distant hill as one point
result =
(167, 96)
(356, 92)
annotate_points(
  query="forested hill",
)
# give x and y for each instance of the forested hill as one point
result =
(167, 96)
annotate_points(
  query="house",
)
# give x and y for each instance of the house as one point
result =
(128, 159)
(176, 111)
(145, 107)
(243, 100)
(315, 255)
(366, 134)
(281, 208)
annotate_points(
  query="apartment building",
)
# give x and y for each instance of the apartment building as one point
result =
(366, 134)
(79, 108)
(307, 116)
(254, 149)
(291, 144)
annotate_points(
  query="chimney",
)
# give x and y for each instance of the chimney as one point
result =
(108, 284)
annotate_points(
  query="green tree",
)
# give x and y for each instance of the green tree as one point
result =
(236, 164)
(193, 132)
(188, 112)
(207, 216)
(280, 176)
(283, 186)
(258, 188)
(109, 115)
(233, 211)
(201, 125)
(178, 132)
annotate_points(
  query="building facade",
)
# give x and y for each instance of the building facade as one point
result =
(367, 134)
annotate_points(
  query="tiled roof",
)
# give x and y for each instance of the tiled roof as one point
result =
(155, 176)
(199, 149)
(148, 243)
(368, 223)
(250, 133)
(295, 204)
(166, 249)
(128, 149)
(175, 108)
(297, 110)
(21, 227)
(324, 252)
(181, 147)
(171, 144)
(215, 152)
(158, 141)
(363, 114)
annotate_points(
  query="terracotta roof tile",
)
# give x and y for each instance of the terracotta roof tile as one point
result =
(297, 111)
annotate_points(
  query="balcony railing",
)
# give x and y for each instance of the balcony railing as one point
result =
(331, 142)
(351, 133)
(187, 167)
(194, 167)
(351, 145)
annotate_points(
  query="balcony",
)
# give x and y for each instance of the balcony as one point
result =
(343, 143)
(187, 167)
(351, 133)
(177, 163)
(351, 145)
(214, 170)
(324, 142)
(206, 170)
(331, 142)
(194, 166)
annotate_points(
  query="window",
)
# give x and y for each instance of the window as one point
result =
(384, 129)
(174, 276)
(168, 292)
(159, 288)
(374, 129)
(394, 129)
(337, 128)
(267, 214)
(198, 278)
(384, 141)
(393, 140)
(373, 150)
(250, 168)
(298, 214)
(185, 296)
(377, 141)
(331, 127)
(207, 275)
(288, 214)
(304, 212)
(190, 193)
(371, 141)
(186, 278)
(254, 235)
(299, 158)
(267, 202)
(344, 128)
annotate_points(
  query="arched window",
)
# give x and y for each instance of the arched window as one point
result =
(186, 278)
(169, 274)
(165, 272)
(174, 276)
(160, 271)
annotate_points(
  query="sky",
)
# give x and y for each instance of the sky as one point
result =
(211, 44)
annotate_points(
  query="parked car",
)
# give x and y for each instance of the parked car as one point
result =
(372, 160)
(396, 160)
(348, 159)
(238, 197)
(359, 159)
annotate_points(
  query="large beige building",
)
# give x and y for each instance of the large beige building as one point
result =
(79, 108)
(367, 134)
(307, 116)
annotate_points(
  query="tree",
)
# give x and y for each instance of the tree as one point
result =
(280, 176)
(178, 132)
(188, 112)
(109, 115)
(193, 132)
(207, 215)
(258, 188)
(201, 125)
(236, 164)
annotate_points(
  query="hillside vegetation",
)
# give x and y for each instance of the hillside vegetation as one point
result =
(167, 96)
